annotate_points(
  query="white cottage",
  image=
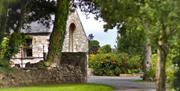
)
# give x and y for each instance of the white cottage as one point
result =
(37, 44)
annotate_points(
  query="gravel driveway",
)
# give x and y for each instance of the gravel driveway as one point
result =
(123, 83)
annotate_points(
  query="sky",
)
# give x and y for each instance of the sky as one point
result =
(92, 26)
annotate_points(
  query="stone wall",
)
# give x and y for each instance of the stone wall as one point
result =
(25, 77)
(73, 69)
(76, 60)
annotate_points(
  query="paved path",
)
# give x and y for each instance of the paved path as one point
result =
(123, 83)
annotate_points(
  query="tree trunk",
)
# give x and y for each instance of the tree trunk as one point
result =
(147, 56)
(58, 33)
(162, 53)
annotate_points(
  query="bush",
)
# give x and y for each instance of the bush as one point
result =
(4, 63)
(3, 46)
(135, 64)
(105, 64)
(105, 49)
(111, 64)
(170, 69)
(151, 73)
(4, 66)
(176, 75)
(130, 64)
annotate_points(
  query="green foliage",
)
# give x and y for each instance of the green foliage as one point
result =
(151, 73)
(93, 46)
(170, 68)
(175, 56)
(105, 49)
(4, 46)
(135, 62)
(159, 18)
(176, 77)
(16, 40)
(3, 4)
(130, 64)
(5, 66)
(131, 41)
(111, 64)
(4, 63)
(105, 64)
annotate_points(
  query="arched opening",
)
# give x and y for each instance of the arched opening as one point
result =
(72, 28)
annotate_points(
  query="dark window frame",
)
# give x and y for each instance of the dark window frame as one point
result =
(28, 50)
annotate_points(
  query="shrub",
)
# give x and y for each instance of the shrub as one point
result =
(3, 46)
(151, 73)
(170, 69)
(105, 64)
(4, 66)
(135, 64)
(105, 49)
(176, 76)
(4, 63)
(130, 64)
(111, 64)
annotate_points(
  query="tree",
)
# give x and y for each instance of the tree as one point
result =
(90, 36)
(131, 42)
(105, 49)
(58, 33)
(160, 17)
(16, 39)
(3, 5)
(3, 17)
(93, 46)
(175, 55)
(26, 12)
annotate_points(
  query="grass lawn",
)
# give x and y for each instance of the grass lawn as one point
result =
(65, 87)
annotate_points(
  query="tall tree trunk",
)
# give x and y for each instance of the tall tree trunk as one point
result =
(147, 56)
(162, 53)
(58, 33)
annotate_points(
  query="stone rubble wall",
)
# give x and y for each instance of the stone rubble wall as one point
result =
(76, 60)
(72, 69)
(26, 77)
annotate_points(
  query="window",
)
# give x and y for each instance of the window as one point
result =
(72, 28)
(28, 48)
